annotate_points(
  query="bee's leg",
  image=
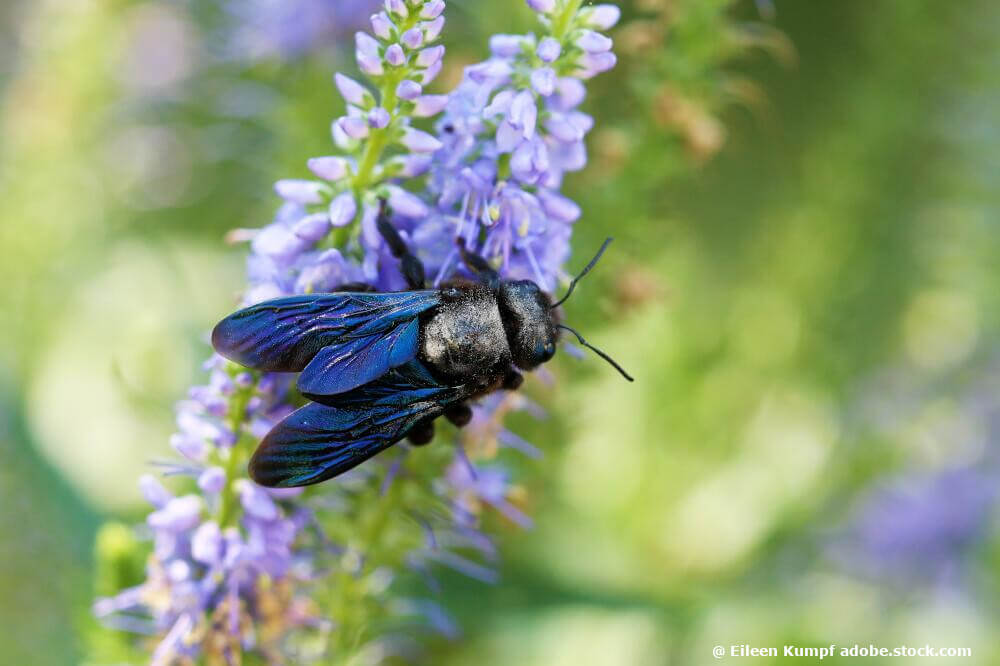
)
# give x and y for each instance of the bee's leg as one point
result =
(512, 380)
(411, 267)
(459, 414)
(355, 286)
(422, 433)
(478, 265)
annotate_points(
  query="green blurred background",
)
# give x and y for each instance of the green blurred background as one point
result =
(809, 451)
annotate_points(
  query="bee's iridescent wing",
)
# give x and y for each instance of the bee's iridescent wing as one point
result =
(340, 340)
(317, 442)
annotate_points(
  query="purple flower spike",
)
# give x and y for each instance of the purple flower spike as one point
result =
(409, 90)
(233, 568)
(343, 208)
(395, 56)
(329, 168)
(419, 141)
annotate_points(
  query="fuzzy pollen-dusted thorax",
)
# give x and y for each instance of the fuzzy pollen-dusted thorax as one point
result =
(530, 323)
(464, 337)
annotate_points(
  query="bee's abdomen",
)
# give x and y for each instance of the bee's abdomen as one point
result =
(464, 339)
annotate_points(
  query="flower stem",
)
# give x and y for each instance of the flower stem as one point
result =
(379, 138)
(563, 22)
(237, 414)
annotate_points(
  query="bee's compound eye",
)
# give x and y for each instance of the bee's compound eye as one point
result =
(545, 352)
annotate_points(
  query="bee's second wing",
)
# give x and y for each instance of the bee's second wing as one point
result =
(317, 442)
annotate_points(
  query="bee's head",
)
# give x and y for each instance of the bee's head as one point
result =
(530, 322)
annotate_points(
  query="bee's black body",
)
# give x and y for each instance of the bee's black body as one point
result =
(477, 333)
(380, 367)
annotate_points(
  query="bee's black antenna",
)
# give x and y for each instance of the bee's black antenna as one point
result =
(592, 347)
(586, 269)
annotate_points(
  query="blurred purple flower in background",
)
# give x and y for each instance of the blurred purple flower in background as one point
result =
(925, 526)
(289, 28)
(238, 568)
(919, 527)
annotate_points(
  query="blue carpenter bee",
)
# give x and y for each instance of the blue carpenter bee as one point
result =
(379, 367)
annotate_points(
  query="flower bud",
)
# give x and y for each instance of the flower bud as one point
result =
(397, 8)
(328, 168)
(412, 38)
(353, 92)
(543, 6)
(343, 209)
(395, 56)
(378, 118)
(548, 49)
(429, 105)
(432, 9)
(420, 142)
(600, 17)
(382, 26)
(408, 89)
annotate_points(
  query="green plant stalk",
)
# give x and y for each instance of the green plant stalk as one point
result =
(236, 415)
(378, 139)
(346, 596)
(562, 23)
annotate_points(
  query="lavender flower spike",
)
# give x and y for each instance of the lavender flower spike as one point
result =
(236, 569)
(511, 211)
